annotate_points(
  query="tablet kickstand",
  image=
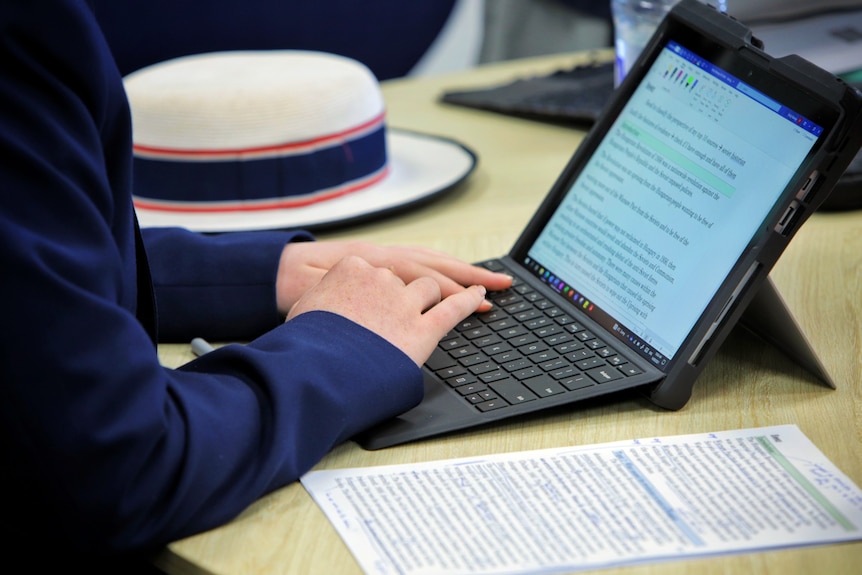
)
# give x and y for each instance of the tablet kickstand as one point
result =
(768, 316)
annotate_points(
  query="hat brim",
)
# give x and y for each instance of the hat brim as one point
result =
(422, 168)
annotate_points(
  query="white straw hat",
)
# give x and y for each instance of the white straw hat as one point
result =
(230, 141)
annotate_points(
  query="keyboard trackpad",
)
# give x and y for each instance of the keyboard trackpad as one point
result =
(440, 411)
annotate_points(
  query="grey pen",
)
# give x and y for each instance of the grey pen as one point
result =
(201, 346)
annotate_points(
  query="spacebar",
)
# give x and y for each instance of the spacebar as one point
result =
(512, 391)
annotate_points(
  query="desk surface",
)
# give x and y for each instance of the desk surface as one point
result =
(748, 384)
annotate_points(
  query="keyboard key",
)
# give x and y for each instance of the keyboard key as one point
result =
(468, 324)
(484, 395)
(548, 331)
(478, 332)
(521, 363)
(506, 299)
(629, 370)
(439, 360)
(451, 335)
(487, 340)
(605, 374)
(514, 331)
(450, 372)
(527, 315)
(507, 356)
(557, 339)
(474, 359)
(554, 364)
(544, 356)
(527, 373)
(595, 344)
(463, 351)
(577, 382)
(538, 322)
(506, 323)
(493, 376)
(568, 347)
(471, 388)
(578, 355)
(530, 349)
(523, 340)
(517, 307)
(590, 363)
(564, 372)
(453, 343)
(543, 386)
(491, 405)
(493, 315)
(513, 392)
(460, 380)
(494, 349)
(481, 368)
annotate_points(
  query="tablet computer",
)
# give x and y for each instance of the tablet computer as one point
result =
(656, 237)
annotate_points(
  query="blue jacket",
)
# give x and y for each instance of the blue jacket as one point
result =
(102, 448)
(388, 36)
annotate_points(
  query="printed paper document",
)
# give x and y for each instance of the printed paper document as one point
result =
(587, 507)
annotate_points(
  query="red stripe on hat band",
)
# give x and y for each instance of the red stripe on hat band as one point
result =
(304, 146)
(261, 205)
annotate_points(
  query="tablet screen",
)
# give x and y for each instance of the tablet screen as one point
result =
(671, 197)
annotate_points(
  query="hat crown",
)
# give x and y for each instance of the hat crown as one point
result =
(224, 101)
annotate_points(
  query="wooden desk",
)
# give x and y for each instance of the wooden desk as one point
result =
(748, 384)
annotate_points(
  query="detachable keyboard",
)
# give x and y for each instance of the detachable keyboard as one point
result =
(524, 349)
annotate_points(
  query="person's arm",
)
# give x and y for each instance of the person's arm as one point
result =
(219, 287)
(104, 449)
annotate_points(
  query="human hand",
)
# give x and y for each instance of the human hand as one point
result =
(303, 264)
(412, 316)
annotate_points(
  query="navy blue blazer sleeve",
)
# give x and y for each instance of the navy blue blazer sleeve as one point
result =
(220, 287)
(103, 448)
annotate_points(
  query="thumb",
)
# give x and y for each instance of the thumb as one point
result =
(445, 315)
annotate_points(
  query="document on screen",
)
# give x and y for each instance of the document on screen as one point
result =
(595, 506)
(672, 197)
